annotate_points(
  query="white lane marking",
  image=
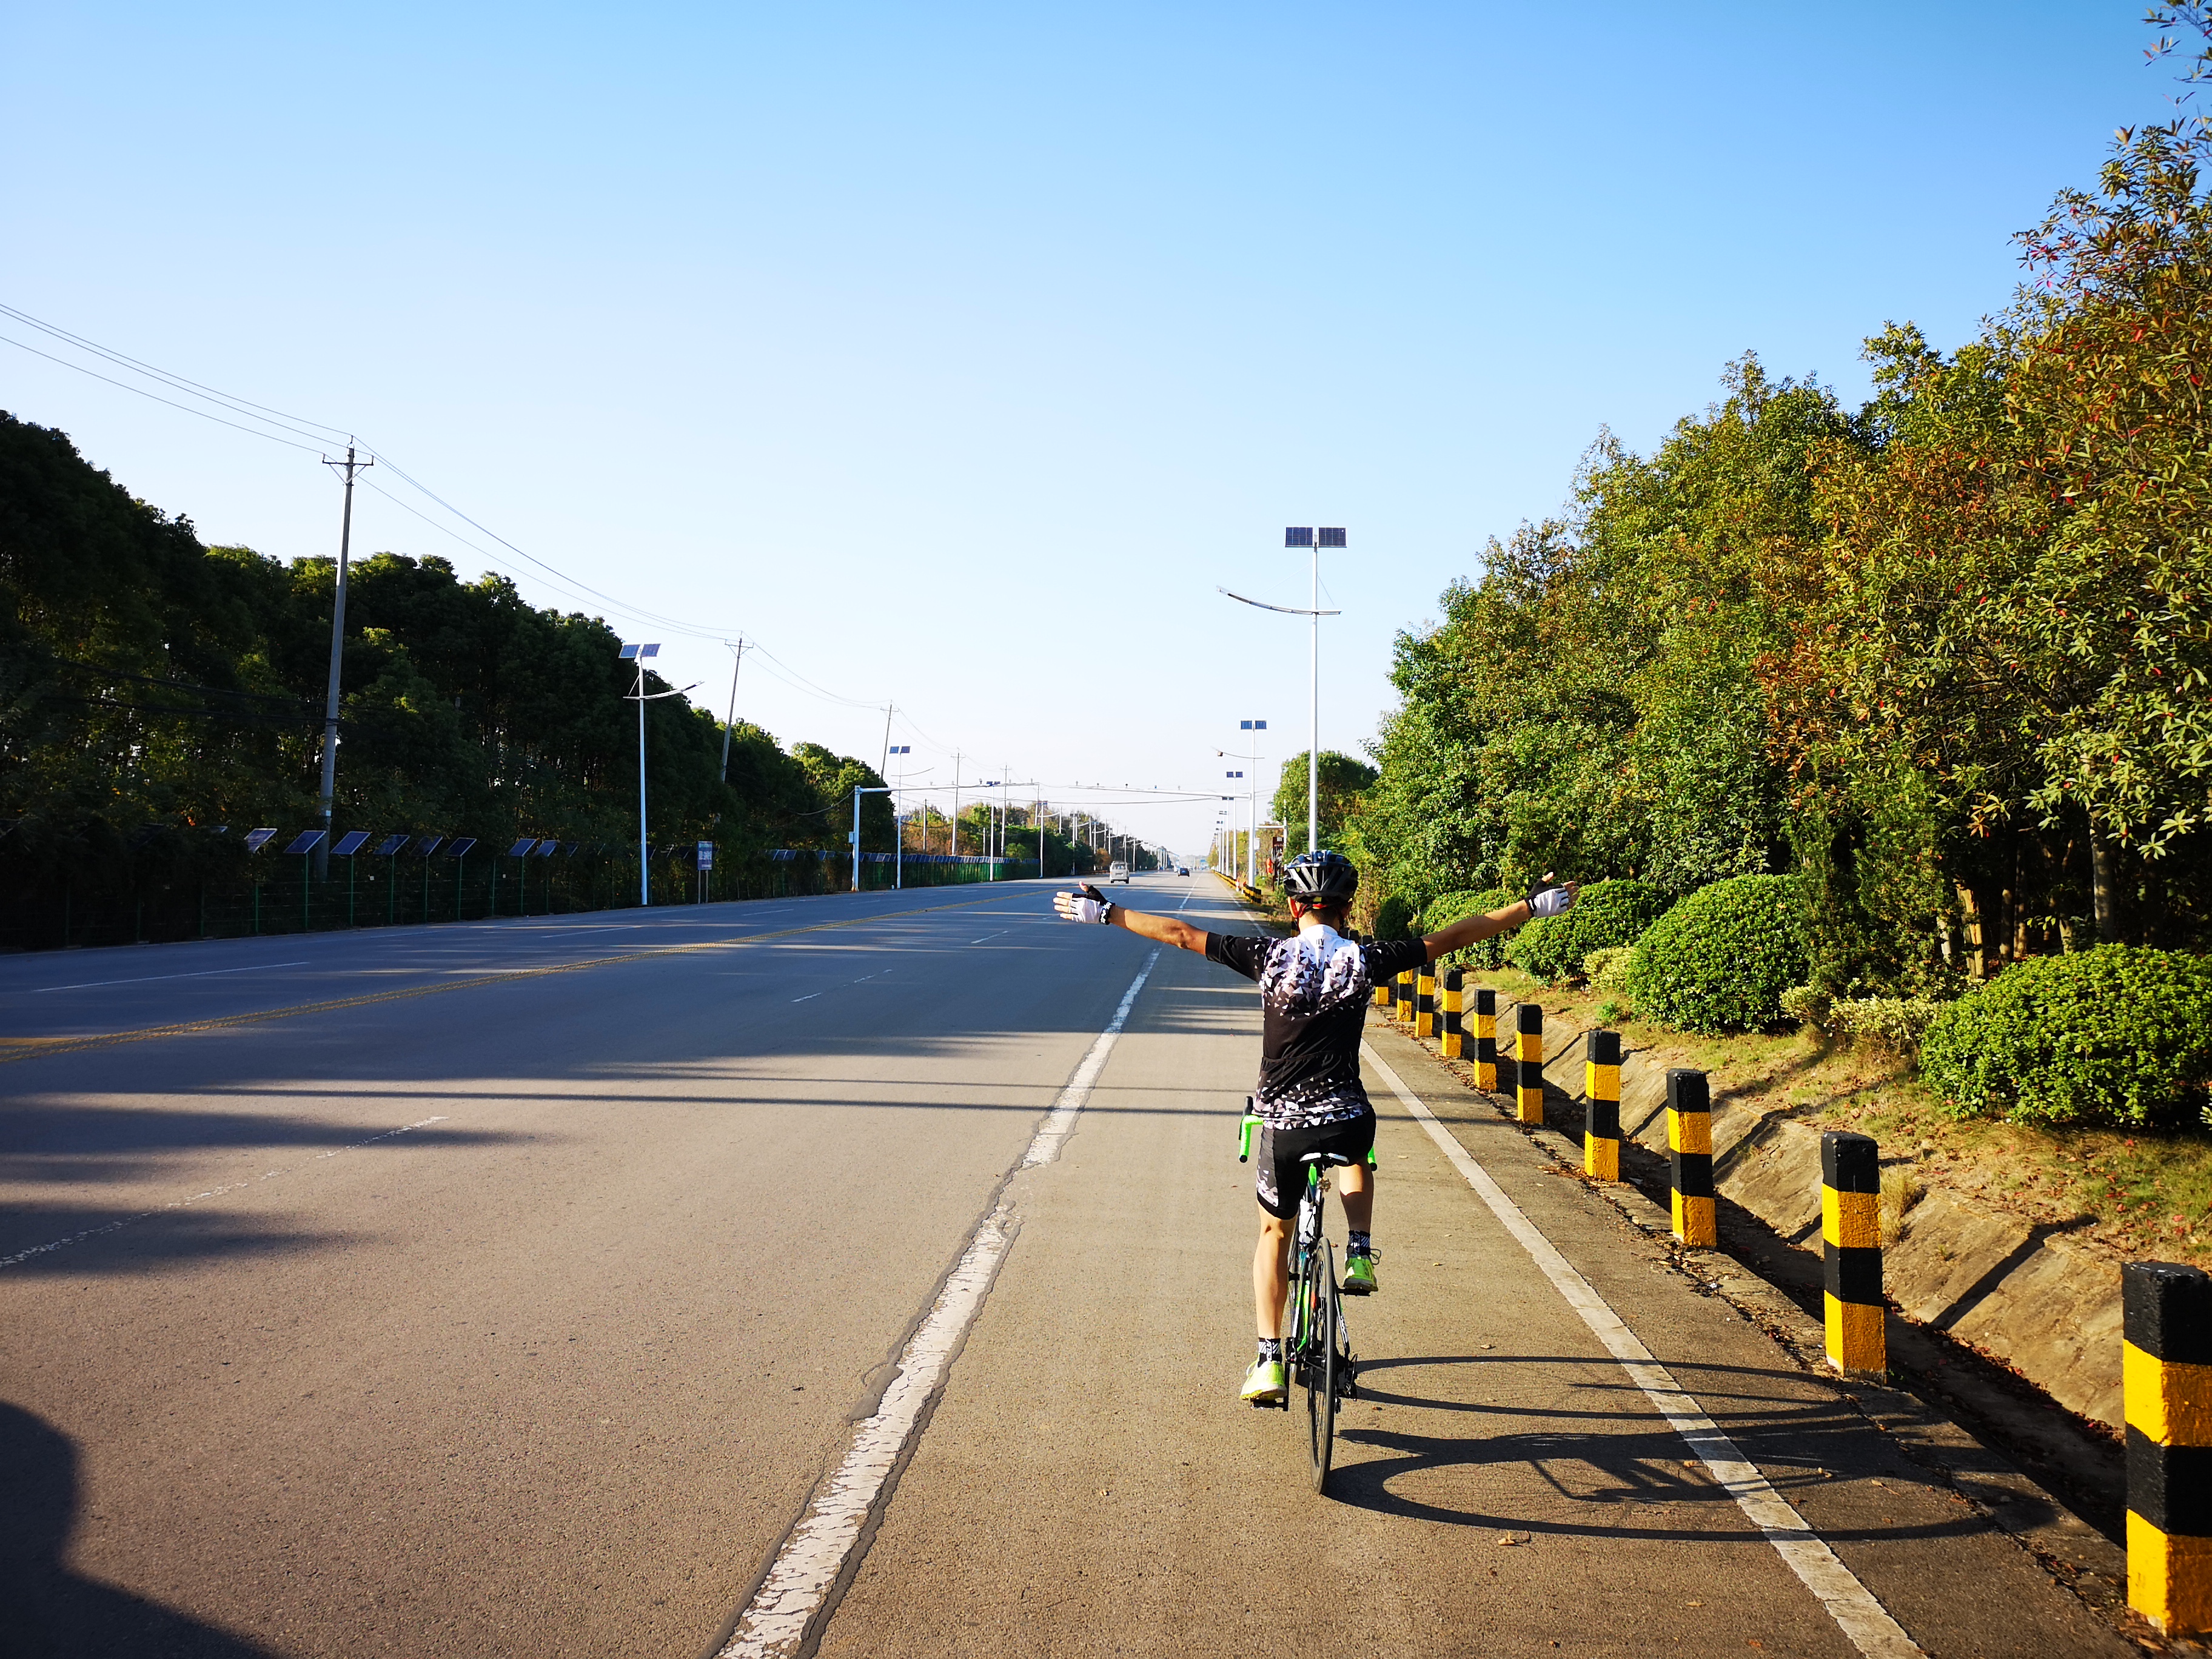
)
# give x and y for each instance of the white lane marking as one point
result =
(798, 1582)
(1060, 1121)
(205, 973)
(1848, 1602)
(863, 980)
(212, 1192)
(979, 941)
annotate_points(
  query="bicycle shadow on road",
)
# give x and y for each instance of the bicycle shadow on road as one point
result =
(53, 1612)
(1625, 1463)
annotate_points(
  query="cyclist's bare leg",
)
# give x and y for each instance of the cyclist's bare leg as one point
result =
(1271, 1272)
(1357, 1182)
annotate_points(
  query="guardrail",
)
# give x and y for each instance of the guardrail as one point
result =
(1243, 890)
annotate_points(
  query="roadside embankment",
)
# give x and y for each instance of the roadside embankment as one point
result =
(2031, 1295)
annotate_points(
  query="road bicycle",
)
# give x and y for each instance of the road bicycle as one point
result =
(1316, 1342)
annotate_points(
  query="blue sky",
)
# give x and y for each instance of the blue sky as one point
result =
(957, 354)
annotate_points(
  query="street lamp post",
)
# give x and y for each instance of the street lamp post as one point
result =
(899, 823)
(857, 792)
(1252, 847)
(1307, 537)
(638, 653)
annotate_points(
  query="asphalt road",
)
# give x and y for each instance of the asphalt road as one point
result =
(512, 1289)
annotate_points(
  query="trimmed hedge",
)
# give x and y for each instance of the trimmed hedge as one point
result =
(1450, 907)
(2117, 1035)
(1719, 960)
(1608, 912)
(1394, 918)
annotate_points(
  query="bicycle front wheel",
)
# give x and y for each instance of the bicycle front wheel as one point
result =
(1321, 1368)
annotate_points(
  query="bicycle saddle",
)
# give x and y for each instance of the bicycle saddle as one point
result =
(1334, 1160)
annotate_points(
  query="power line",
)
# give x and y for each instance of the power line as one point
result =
(171, 402)
(267, 415)
(237, 405)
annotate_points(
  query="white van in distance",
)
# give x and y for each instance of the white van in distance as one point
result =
(1118, 872)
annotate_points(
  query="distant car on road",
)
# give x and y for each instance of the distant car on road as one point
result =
(1182, 869)
(1118, 872)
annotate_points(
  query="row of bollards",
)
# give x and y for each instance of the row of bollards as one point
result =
(2166, 1357)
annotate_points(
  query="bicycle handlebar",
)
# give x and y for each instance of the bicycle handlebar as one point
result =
(1244, 1128)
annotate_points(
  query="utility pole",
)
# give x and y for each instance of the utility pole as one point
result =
(739, 647)
(346, 468)
(956, 803)
(887, 739)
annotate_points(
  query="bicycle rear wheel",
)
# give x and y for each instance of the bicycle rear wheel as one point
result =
(1320, 1366)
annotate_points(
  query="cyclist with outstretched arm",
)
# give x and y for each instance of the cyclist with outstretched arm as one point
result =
(1314, 987)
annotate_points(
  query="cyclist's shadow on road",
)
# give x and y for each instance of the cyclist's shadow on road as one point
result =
(52, 1613)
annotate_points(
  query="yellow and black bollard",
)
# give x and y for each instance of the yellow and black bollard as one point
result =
(1851, 1247)
(2165, 1368)
(1452, 1037)
(1690, 1150)
(1485, 1039)
(1601, 1106)
(1405, 998)
(1425, 1004)
(1386, 993)
(1528, 1061)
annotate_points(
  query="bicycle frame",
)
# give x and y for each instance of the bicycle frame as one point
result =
(1307, 1245)
(1316, 1343)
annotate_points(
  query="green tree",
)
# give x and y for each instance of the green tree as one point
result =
(1343, 781)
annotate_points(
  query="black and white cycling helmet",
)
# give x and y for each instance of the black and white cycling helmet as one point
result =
(1324, 877)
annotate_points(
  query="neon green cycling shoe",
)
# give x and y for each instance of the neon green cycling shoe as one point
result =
(1264, 1383)
(1359, 1276)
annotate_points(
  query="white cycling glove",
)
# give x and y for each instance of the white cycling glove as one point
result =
(1085, 905)
(1550, 901)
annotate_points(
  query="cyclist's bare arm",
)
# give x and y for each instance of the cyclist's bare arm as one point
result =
(1474, 929)
(1165, 929)
(1087, 906)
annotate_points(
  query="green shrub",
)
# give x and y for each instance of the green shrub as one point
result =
(1552, 948)
(2114, 1034)
(1607, 971)
(1893, 1023)
(1450, 907)
(1719, 960)
(1446, 908)
(1394, 918)
(1806, 1004)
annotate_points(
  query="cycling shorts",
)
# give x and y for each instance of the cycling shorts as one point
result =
(1280, 1181)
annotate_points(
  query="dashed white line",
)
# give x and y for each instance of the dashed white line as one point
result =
(775, 1622)
(863, 980)
(212, 1192)
(1848, 1602)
